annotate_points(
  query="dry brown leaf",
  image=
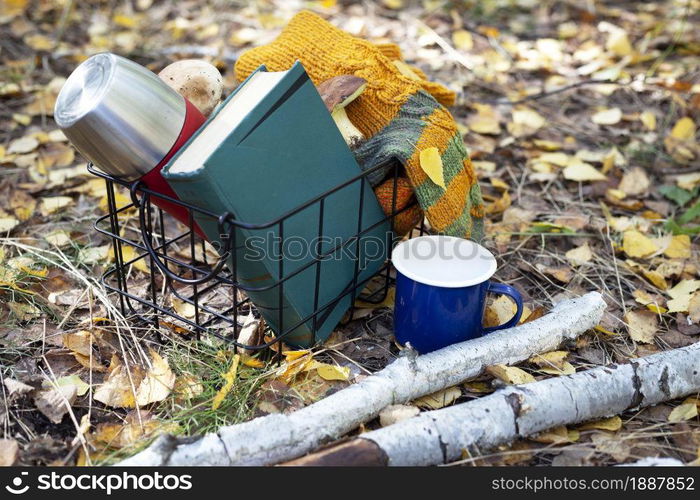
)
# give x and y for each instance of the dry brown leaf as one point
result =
(78, 342)
(9, 452)
(642, 325)
(55, 403)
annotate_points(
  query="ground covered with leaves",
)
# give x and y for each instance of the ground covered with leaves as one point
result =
(581, 118)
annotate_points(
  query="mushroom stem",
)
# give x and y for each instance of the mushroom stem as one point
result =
(350, 132)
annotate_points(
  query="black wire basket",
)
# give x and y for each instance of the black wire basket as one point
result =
(181, 267)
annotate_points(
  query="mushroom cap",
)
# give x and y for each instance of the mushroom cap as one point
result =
(339, 91)
(196, 80)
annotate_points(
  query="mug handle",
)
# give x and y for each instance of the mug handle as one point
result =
(511, 292)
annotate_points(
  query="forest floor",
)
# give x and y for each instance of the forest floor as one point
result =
(581, 119)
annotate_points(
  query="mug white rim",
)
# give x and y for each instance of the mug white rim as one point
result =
(438, 270)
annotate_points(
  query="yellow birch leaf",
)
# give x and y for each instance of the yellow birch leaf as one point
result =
(656, 278)
(230, 378)
(8, 224)
(609, 116)
(462, 39)
(184, 309)
(684, 129)
(54, 204)
(619, 44)
(684, 411)
(124, 21)
(582, 172)
(605, 424)
(681, 295)
(635, 244)
(117, 391)
(128, 254)
(648, 119)
(580, 255)
(431, 163)
(158, 382)
(486, 120)
(439, 399)
(511, 375)
(251, 362)
(566, 369)
(551, 358)
(557, 435)
(332, 372)
(679, 248)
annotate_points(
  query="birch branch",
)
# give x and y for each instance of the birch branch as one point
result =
(441, 436)
(278, 437)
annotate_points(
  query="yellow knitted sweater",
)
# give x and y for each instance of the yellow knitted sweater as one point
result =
(385, 107)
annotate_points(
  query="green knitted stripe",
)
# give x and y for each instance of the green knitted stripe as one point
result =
(398, 139)
(452, 164)
(461, 226)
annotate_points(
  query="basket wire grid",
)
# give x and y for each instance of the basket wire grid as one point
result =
(179, 265)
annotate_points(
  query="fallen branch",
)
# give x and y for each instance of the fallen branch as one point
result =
(278, 437)
(441, 436)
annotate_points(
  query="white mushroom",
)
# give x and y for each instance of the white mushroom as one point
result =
(338, 92)
(197, 81)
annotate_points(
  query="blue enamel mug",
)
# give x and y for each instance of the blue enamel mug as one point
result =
(441, 287)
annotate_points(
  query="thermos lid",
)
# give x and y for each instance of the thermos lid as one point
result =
(443, 261)
(119, 115)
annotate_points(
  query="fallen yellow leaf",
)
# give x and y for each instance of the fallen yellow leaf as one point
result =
(229, 378)
(606, 424)
(684, 411)
(579, 255)
(511, 375)
(582, 172)
(679, 248)
(607, 116)
(557, 435)
(642, 325)
(431, 163)
(635, 244)
(681, 295)
(648, 119)
(462, 39)
(158, 382)
(439, 399)
(332, 372)
(684, 129)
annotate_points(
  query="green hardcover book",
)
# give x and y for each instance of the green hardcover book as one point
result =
(269, 149)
